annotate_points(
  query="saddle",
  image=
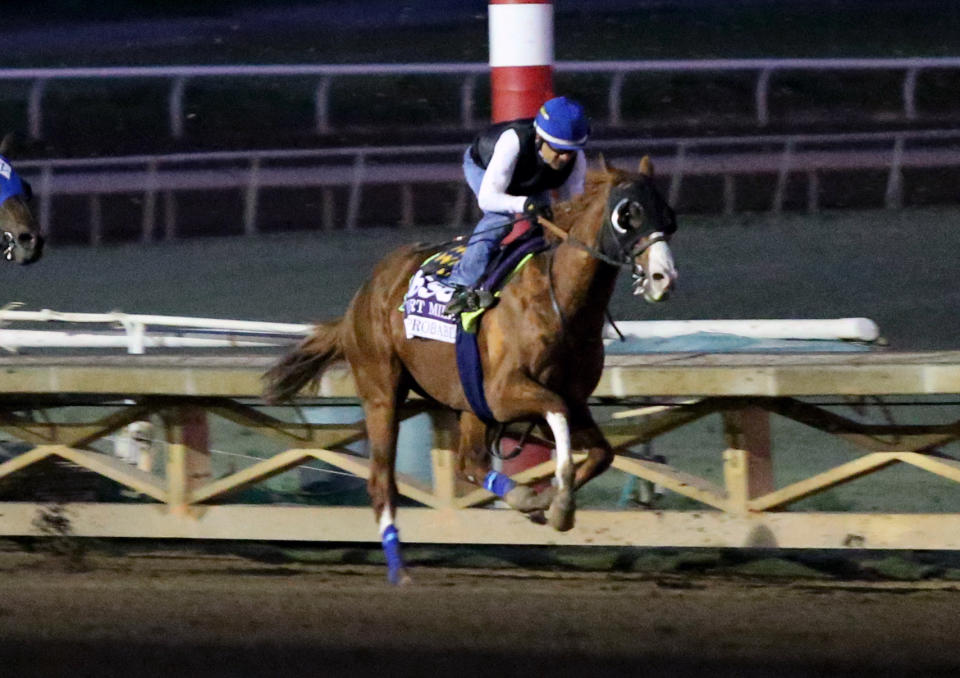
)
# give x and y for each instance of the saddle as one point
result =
(428, 291)
(520, 243)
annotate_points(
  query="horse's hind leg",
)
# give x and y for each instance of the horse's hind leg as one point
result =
(382, 429)
(521, 398)
(473, 465)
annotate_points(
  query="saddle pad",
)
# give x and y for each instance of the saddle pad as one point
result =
(423, 309)
(441, 264)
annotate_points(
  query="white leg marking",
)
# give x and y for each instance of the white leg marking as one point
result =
(386, 518)
(561, 436)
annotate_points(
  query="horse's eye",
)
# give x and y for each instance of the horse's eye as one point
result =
(620, 216)
(636, 214)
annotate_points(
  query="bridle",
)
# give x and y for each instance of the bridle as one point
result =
(8, 241)
(623, 257)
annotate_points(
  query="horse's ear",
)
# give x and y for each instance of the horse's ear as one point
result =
(7, 143)
(603, 164)
(646, 166)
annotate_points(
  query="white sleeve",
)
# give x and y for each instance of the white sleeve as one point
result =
(573, 186)
(493, 196)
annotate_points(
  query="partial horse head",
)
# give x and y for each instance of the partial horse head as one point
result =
(20, 237)
(641, 224)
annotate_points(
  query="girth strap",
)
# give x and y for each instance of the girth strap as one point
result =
(471, 373)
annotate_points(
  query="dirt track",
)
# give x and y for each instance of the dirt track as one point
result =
(171, 615)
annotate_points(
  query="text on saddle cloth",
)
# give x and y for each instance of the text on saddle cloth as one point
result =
(423, 308)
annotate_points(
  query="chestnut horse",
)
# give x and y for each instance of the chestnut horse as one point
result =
(540, 347)
(20, 239)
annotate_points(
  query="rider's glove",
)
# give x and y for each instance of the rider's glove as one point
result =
(537, 206)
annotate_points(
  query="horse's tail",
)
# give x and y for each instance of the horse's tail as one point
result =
(303, 364)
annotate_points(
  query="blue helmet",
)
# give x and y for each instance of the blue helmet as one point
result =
(563, 124)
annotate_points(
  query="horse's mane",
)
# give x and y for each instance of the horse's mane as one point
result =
(595, 191)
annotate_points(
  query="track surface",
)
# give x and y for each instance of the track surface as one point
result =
(176, 615)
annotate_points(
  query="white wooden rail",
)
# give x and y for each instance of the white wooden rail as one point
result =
(738, 501)
(135, 332)
(178, 77)
(358, 168)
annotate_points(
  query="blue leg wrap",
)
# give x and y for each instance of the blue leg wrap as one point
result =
(498, 483)
(391, 549)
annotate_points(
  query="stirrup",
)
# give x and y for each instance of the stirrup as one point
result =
(485, 298)
(459, 302)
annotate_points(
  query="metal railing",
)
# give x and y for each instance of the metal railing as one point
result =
(179, 76)
(248, 173)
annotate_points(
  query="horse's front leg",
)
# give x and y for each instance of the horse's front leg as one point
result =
(585, 436)
(562, 508)
(524, 398)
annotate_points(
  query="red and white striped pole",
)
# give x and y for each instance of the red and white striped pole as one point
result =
(521, 57)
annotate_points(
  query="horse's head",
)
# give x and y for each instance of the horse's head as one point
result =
(637, 227)
(20, 239)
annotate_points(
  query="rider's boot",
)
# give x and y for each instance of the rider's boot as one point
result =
(459, 301)
(468, 299)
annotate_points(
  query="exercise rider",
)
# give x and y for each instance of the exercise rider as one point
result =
(512, 167)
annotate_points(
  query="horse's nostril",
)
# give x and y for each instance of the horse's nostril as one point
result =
(658, 276)
(26, 238)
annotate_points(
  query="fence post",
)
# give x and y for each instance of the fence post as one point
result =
(328, 209)
(149, 220)
(406, 206)
(170, 215)
(760, 95)
(613, 98)
(35, 108)
(442, 455)
(893, 198)
(676, 179)
(356, 187)
(46, 199)
(321, 103)
(175, 107)
(250, 198)
(909, 93)
(783, 174)
(748, 463)
(813, 192)
(96, 220)
(466, 101)
(188, 454)
(729, 194)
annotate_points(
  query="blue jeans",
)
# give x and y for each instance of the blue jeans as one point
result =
(483, 243)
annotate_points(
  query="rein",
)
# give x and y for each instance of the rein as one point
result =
(626, 258)
(625, 261)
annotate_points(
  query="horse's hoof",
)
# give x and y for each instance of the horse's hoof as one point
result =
(525, 499)
(537, 517)
(399, 578)
(561, 512)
